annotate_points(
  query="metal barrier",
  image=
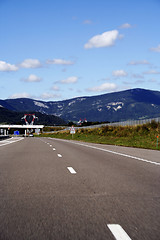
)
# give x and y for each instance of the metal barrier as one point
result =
(135, 122)
(125, 123)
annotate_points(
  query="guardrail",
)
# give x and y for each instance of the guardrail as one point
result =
(125, 123)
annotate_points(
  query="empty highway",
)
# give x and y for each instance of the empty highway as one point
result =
(52, 189)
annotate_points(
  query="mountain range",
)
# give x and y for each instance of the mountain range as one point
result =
(130, 104)
(12, 117)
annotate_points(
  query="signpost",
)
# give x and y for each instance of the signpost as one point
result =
(72, 131)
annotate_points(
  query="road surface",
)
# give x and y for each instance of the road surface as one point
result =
(56, 189)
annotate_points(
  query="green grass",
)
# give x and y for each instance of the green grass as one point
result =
(144, 136)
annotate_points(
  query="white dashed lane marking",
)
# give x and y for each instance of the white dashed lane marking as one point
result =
(118, 232)
(59, 155)
(109, 151)
(54, 149)
(71, 170)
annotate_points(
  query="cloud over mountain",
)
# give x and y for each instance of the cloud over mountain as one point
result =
(20, 95)
(103, 87)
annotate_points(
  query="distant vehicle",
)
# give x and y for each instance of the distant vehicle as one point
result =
(30, 135)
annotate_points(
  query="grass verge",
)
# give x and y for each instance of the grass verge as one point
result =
(141, 136)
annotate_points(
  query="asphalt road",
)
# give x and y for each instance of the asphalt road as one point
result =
(54, 189)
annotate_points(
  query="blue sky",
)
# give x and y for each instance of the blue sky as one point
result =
(60, 49)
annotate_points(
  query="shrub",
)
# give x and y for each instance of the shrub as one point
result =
(153, 124)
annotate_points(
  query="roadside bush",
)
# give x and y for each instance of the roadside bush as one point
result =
(82, 130)
(51, 129)
(124, 132)
(153, 124)
(145, 128)
(138, 128)
(105, 129)
(100, 131)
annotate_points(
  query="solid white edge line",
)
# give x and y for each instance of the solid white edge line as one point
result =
(105, 150)
(71, 170)
(17, 140)
(118, 232)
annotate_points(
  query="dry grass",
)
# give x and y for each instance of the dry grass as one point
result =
(141, 136)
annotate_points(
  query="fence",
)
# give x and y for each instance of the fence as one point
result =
(135, 122)
(125, 123)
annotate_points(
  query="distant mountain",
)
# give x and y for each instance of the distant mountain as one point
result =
(11, 117)
(117, 106)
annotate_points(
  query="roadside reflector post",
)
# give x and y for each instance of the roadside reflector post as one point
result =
(157, 142)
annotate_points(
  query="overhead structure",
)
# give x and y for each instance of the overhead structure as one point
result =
(28, 127)
(33, 118)
(4, 129)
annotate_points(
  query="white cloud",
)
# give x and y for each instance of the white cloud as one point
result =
(87, 21)
(139, 82)
(49, 95)
(125, 26)
(55, 88)
(143, 62)
(44, 96)
(137, 76)
(32, 78)
(30, 63)
(119, 73)
(60, 62)
(20, 95)
(69, 80)
(151, 72)
(152, 80)
(7, 67)
(106, 39)
(135, 82)
(103, 87)
(126, 82)
(156, 49)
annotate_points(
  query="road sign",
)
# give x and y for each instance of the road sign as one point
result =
(37, 131)
(16, 132)
(72, 130)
